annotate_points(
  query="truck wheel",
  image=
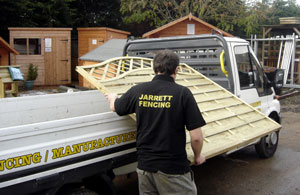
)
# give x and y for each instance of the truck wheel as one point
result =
(82, 191)
(267, 145)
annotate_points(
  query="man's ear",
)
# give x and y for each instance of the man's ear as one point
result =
(176, 70)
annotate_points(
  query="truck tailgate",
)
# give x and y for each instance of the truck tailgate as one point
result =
(231, 122)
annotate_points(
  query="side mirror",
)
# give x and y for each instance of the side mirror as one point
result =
(276, 77)
(278, 80)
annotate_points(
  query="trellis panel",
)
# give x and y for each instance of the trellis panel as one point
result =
(231, 122)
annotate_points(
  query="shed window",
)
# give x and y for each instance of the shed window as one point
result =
(21, 46)
(34, 46)
(28, 46)
(190, 29)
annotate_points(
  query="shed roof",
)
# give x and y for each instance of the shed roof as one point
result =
(7, 46)
(188, 17)
(38, 29)
(110, 49)
(103, 28)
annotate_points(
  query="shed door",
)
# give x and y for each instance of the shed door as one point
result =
(57, 62)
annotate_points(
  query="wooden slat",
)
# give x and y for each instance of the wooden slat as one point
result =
(206, 89)
(212, 105)
(129, 80)
(7, 80)
(194, 82)
(204, 97)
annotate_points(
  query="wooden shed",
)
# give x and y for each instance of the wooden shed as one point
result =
(6, 51)
(187, 25)
(47, 48)
(92, 37)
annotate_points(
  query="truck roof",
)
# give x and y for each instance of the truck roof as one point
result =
(178, 42)
(228, 39)
(234, 39)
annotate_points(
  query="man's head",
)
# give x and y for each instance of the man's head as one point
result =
(165, 62)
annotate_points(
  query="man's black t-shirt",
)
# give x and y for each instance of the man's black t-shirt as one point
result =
(163, 110)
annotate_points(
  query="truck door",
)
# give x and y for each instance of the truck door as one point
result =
(251, 82)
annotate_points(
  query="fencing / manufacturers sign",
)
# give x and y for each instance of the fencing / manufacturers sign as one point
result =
(48, 155)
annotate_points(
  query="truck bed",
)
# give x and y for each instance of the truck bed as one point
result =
(48, 134)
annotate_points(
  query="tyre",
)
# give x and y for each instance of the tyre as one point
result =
(82, 191)
(267, 145)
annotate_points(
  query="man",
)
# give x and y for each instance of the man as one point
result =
(163, 110)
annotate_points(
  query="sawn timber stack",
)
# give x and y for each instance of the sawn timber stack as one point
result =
(231, 122)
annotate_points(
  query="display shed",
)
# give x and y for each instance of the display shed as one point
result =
(93, 37)
(90, 38)
(187, 25)
(47, 48)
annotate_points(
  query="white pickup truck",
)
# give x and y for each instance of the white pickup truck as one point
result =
(72, 144)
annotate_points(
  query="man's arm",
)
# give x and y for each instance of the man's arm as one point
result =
(111, 97)
(197, 143)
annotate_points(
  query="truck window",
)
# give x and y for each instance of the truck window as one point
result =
(258, 76)
(250, 72)
(245, 70)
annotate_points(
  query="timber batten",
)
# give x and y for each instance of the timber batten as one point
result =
(231, 122)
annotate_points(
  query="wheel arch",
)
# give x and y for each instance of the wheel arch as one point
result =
(275, 116)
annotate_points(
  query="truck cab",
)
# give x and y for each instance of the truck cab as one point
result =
(250, 82)
(228, 61)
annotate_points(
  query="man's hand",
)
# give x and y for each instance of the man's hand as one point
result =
(111, 97)
(200, 159)
(197, 143)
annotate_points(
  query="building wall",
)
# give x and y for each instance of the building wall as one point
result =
(47, 62)
(115, 35)
(91, 38)
(180, 29)
(4, 60)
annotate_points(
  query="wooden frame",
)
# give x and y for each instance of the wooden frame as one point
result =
(231, 122)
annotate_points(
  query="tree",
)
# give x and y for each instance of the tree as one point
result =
(97, 13)
(283, 8)
(53, 13)
(13, 14)
(36, 13)
(222, 13)
(254, 17)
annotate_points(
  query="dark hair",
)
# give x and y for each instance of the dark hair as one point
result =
(165, 62)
